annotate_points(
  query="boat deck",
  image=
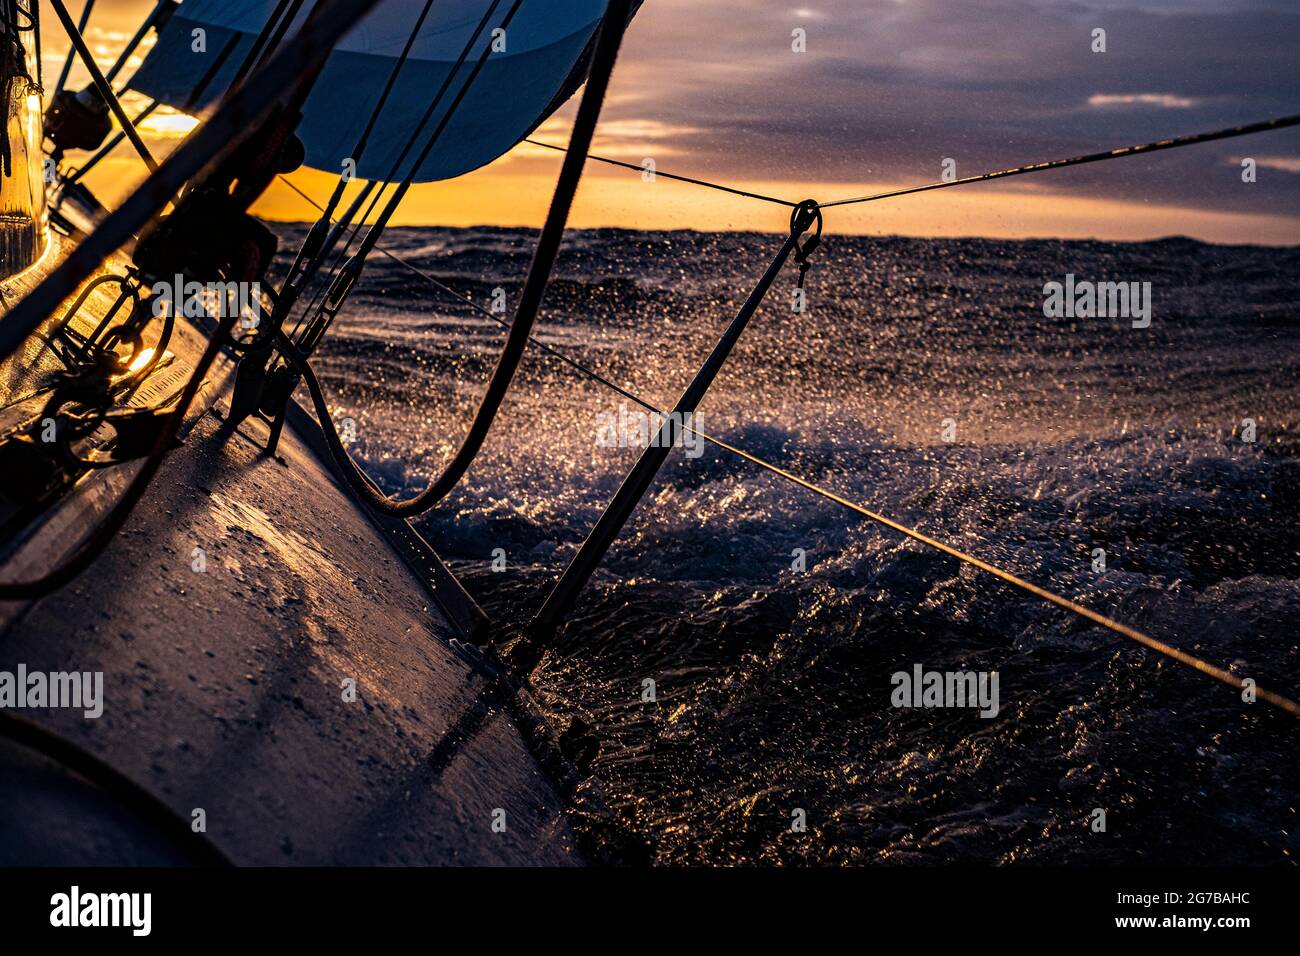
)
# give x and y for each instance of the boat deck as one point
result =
(227, 619)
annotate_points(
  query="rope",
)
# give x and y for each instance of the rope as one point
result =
(681, 179)
(390, 207)
(1123, 630)
(364, 140)
(200, 88)
(254, 53)
(1156, 146)
(1261, 127)
(548, 246)
(78, 174)
(349, 218)
(160, 12)
(281, 29)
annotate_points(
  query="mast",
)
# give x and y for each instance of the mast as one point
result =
(22, 184)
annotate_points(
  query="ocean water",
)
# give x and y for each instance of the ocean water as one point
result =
(772, 675)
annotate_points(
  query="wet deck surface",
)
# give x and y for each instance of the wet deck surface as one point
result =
(225, 688)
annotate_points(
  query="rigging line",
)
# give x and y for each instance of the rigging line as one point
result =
(607, 43)
(390, 207)
(102, 84)
(159, 12)
(359, 150)
(111, 145)
(1123, 630)
(278, 36)
(312, 250)
(347, 278)
(34, 12)
(1216, 673)
(1101, 620)
(260, 41)
(427, 277)
(432, 280)
(349, 218)
(681, 179)
(469, 301)
(343, 260)
(190, 102)
(1177, 141)
(72, 52)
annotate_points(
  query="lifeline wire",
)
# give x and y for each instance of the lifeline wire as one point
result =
(1232, 131)
(1261, 127)
(681, 179)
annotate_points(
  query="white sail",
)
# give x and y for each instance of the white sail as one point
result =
(538, 62)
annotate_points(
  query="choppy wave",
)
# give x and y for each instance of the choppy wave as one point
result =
(773, 683)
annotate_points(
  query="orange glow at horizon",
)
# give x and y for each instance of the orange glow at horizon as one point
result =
(515, 190)
(511, 192)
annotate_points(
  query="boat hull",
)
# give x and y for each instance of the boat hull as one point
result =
(278, 668)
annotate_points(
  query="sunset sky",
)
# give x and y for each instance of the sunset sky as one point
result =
(886, 90)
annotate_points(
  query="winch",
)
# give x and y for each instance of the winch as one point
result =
(77, 121)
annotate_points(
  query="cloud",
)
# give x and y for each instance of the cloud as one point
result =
(622, 138)
(1164, 100)
(1286, 164)
(885, 91)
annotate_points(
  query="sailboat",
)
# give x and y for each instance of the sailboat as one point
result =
(223, 642)
(287, 676)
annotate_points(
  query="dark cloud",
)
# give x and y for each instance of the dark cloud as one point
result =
(888, 89)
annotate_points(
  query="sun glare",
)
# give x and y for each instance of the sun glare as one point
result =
(169, 125)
